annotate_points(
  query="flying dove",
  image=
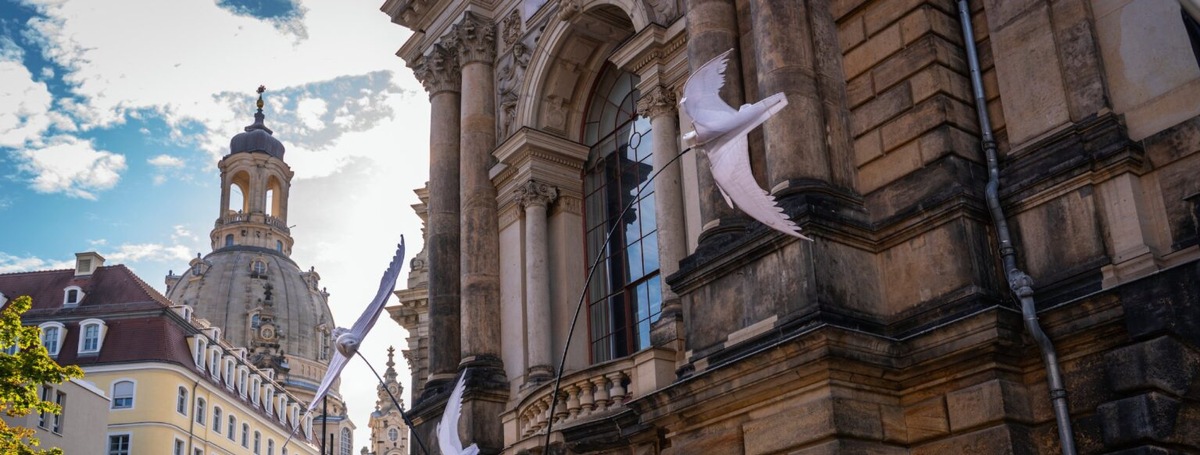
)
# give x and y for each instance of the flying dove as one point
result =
(721, 131)
(447, 428)
(347, 341)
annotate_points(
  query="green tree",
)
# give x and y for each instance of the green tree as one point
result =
(21, 374)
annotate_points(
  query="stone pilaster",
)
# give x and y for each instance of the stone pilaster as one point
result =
(794, 136)
(439, 73)
(536, 197)
(659, 105)
(712, 29)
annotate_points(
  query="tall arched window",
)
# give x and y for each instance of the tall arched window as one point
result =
(624, 297)
(347, 443)
(181, 401)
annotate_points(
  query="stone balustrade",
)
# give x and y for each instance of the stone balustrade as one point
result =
(599, 390)
(242, 217)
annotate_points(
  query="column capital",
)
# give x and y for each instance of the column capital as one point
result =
(475, 39)
(439, 71)
(534, 193)
(657, 102)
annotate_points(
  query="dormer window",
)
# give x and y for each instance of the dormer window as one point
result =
(198, 353)
(91, 337)
(53, 334)
(72, 295)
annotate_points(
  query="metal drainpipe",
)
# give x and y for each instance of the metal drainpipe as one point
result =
(1020, 282)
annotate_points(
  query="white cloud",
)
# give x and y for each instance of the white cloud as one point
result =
(165, 161)
(310, 111)
(98, 242)
(135, 252)
(24, 105)
(11, 264)
(71, 166)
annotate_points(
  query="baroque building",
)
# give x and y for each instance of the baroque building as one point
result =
(157, 378)
(1004, 197)
(389, 432)
(251, 288)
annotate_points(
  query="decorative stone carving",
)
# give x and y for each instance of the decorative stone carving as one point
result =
(511, 28)
(439, 71)
(508, 80)
(537, 193)
(569, 9)
(665, 11)
(475, 39)
(657, 102)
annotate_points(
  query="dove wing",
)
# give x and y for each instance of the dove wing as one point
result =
(447, 429)
(730, 160)
(387, 285)
(702, 97)
(335, 368)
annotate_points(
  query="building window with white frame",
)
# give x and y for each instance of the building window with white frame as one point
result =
(216, 418)
(122, 395)
(270, 447)
(197, 451)
(118, 444)
(178, 447)
(347, 442)
(232, 426)
(53, 334)
(91, 336)
(181, 401)
(257, 443)
(72, 295)
(44, 418)
(60, 399)
(200, 405)
(245, 435)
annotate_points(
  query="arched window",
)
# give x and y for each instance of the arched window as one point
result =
(237, 193)
(72, 295)
(624, 297)
(347, 443)
(122, 394)
(200, 404)
(91, 336)
(257, 443)
(270, 447)
(181, 401)
(217, 418)
(245, 435)
(53, 334)
(228, 239)
(232, 426)
(279, 246)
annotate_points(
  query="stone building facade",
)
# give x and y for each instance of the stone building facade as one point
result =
(910, 324)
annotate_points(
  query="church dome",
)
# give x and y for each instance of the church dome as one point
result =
(257, 137)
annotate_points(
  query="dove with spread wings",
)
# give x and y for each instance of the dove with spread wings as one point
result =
(447, 428)
(347, 341)
(720, 131)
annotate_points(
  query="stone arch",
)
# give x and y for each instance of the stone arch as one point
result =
(241, 180)
(569, 56)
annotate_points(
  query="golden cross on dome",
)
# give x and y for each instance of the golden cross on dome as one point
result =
(261, 89)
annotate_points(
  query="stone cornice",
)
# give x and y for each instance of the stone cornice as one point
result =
(474, 36)
(654, 53)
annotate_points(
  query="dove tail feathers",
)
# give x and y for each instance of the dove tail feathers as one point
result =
(472, 450)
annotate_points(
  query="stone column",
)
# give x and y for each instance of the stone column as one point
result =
(476, 42)
(536, 197)
(659, 105)
(795, 136)
(712, 29)
(439, 73)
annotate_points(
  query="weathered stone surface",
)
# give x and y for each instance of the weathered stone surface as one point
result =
(987, 403)
(805, 422)
(926, 420)
(1029, 75)
(1151, 416)
(1157, 364)
(885, 106)
(878, 47)
(927, 49)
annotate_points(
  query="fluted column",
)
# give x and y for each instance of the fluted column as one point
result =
(439, 73)
(795, 137)
(659, 105)
(476, 44)
(536, 197)
(712, 29)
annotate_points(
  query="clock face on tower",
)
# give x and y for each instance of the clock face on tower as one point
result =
(267, 332)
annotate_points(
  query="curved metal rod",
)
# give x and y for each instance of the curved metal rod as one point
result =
(583, 295)
(1020, 282)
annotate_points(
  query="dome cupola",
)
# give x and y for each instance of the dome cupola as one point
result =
(257, 137)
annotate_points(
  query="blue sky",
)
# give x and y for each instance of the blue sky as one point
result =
(114, 114)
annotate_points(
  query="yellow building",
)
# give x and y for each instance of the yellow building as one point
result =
(175, 387)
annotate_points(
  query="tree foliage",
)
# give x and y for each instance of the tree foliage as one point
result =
(22, 374)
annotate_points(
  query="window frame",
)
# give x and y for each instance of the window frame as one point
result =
(72, 303)
(60, 336)
(181, 401)
(128, 443)
(101, 331)
(199, 414)
(132, 396)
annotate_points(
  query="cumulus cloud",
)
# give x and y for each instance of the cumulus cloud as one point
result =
(10, 263)
(71, 166)
(165, 161)
(137, 252)
(24, 105)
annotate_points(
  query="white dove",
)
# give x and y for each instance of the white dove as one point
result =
(447, 428)
(721, 132)
(348, 340)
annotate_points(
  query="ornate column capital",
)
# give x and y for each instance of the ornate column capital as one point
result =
(439, 71)
(475, 39)
(657, 102)
(534, 193)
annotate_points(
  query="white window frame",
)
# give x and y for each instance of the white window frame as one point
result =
(214, 361)
(181, 401)
(101, 330)
(58, 342)
(67, 302)
(179, 447)
(255, 383)
(232, 429)
(201, 347)
(201, 404)
(229, 371)
(108, 442)
(217, 418)
(60, 398)
(112, 392)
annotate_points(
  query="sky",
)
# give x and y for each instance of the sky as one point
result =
(113, 116)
